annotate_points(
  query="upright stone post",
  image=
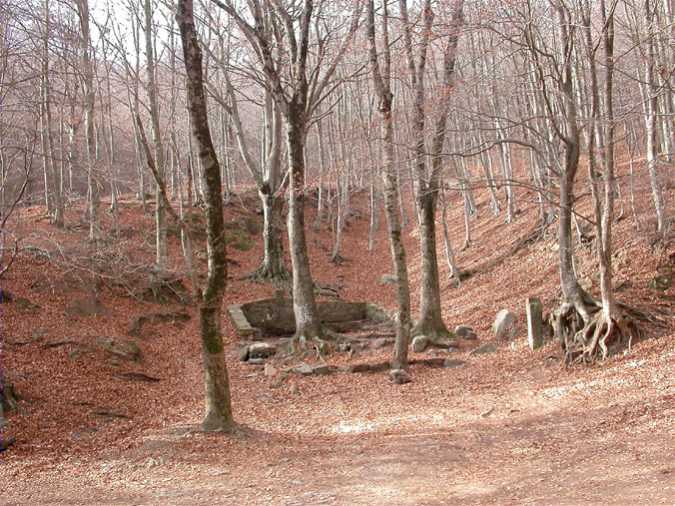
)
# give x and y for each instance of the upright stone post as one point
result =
(535, 336)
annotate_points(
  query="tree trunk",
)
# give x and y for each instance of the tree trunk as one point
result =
(308, 325)
(272, 266)
(218, 415)
(391, 190)
(160, 213)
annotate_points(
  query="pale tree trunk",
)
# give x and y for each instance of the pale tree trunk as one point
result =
(218, 416)
(651, 125)
(382, 81)
(53, 187)
(450, 259)
(161, 254)
(307, 323)
(430, 322)
(89, 106)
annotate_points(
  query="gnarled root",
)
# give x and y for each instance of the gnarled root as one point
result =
(274, 274)
(599, 334)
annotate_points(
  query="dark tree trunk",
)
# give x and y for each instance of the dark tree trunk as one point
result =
(218, 416)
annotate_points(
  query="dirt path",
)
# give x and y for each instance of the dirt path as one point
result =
(540, 437)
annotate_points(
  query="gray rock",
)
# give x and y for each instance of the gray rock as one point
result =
(322, 369)
(261, 350)
(256, 361)
(463, 331)
(486, 348)
(451, 363)
(243, 354)
(26, 305)
(505, 326)
(344, 347)
(121, 348)
(420, 343)
(87, 307)
(388, 279)
(535, 324)
(270, 370)
(304, 369)
(399, 376)
(380, 343)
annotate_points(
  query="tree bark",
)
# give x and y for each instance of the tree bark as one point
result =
(307, 321)
(218, 416)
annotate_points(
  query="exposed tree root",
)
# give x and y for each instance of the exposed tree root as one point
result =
(337, 259)
(266, 273)
(438, 335)
(587, 334)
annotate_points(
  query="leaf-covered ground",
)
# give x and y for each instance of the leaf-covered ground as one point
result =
(503, 428)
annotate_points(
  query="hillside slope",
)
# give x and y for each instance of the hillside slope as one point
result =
(507, 427)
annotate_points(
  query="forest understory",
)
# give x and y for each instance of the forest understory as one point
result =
(511, 426)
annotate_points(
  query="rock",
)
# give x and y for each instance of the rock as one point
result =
(367, 368)
(261, 350)
(505, 326)
(661, 282)
(322, 369)
(139, 322)
(399, 376)
(122, 348)
(535, 327)
(420, 343)
(380, 343)
(344, 347)
(38, 334)
(453, 349)
(463, 331)
(304, 369)
(388, 279)
(451, 363)
(86, 307)
(270, 370)
(256, 361)
(24, 304)
(486, 348)
(243, 354)
(8, 397)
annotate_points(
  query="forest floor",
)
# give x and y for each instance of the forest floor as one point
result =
(509, 427)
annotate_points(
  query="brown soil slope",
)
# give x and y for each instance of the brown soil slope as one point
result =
(504, 428)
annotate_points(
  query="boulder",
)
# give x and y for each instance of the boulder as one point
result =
(388, 279)
(121, 348)
(399, 376)
(26, 305)
(322, 369)
(381, 342)
(243, 354)
(465, 332)
(451, 363)
(304, 369)
(420, 343)
(482, 350)
(535, 324)
(505, 325)
(174, 317)
(86, 307)
(261, 350)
